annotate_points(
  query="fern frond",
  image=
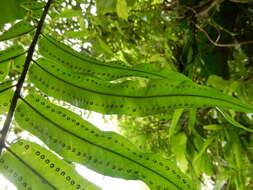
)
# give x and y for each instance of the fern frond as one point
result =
(84, 64)
(30, 166)
(105, 152)
(6, 56)
(132, 98)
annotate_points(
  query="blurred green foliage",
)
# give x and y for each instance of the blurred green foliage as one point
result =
(10, 11)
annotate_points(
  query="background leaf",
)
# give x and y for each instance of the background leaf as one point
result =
(122, 9)
(10, 11)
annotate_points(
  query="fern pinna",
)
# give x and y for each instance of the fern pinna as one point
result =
(91, 84)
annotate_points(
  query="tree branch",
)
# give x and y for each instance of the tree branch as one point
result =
(21, 80)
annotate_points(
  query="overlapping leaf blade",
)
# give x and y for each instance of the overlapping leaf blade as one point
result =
(36, 13)
(20, 175)
(106, 152)
(131, 97)
(6, 93)
(6, 56)
(16, 30)
(4, 70)
(30, 166)
(33, 5)
(81, 63)
(11, 53)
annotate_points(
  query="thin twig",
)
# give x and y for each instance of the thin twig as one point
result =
(222, 45)
(21, 80)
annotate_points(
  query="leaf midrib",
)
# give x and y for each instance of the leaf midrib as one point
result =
(13, 57)
(7, 88)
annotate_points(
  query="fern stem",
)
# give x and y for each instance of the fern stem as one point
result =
(21, 80)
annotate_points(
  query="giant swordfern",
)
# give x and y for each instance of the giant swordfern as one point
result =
(91, 84)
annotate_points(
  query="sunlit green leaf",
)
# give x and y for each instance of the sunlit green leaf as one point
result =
(106, 152)
(10, 11)
(69, 13)
(122, 9)
(102, 47)
(6, 94)
(202, 161)
(16, 30)
(232, 121)
(175, 118)
(76, 34)
(213, 127)
(178, 146)
(11, 53)
(192, 119)
(32, 5)
(129, 97)
(80, 63)
(106, 6)
(29, 166)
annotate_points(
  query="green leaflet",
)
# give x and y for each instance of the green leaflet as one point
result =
(178, 144)
(4, 69)
(11, 53)
(192, 119)
(18, 63)
(20, 175)
(204, 147)
(35, 8)
(213, 127)
(175, 118)
(105, 152)
(101, 47)
(30, 166)
(10, 11)
(203, 163)
(5, 86)
(5, 57)
(122, 9)
(5, 96)
(81, 63)
(131, 97)
(232, 121)
(16, 30)
(33, 5)
(37, 13)
(233, 154)
(69, 13)
(105, 6)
